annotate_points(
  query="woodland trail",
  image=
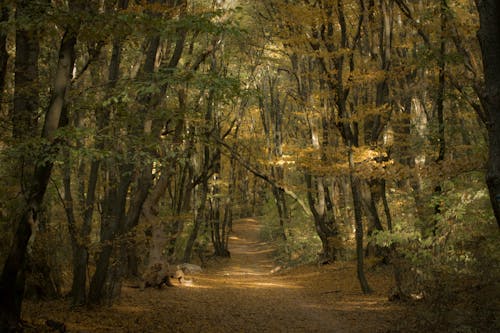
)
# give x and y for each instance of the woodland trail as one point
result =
(241, 295)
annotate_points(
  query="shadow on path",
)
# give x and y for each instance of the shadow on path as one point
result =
(240, 295)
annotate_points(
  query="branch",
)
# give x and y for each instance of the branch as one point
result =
(256, 172)
(476, 106)
(210, 49)
(406, 11)
(93, 55)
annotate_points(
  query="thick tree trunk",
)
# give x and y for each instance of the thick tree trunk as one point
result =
(489, 38)
(4, 55)
(26, 99)
(324, 218)
(13, 275)
(12, 279)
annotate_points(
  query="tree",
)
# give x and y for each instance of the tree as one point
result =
(80, 232)
(4, 55)
(489, 38)
(13, 278)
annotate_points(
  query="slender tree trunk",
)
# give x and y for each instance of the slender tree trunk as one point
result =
(217, 219)
(356, 197)
(271, 110)
(78, 289)
(198, 220)
(441, 84)
(489, 38)
(181, 202)
(387, 210)
(80, 239)
(440, 99)
(114, 212)
(205, 175)
(106, 281)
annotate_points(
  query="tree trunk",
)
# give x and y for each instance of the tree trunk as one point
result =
(114, 212)
(198, 220)
(200, 214)
(370, 200)
(26, 99)
(80, 251)
(489, 38)
(387, 210)
(117, 220)
(13, 275)
(78, 289)
(324, 219)
(272, 106)
(356, 197)
(12, 279)
(4, 55)
(181, 201)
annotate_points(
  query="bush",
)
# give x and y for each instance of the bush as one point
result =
(453, 273)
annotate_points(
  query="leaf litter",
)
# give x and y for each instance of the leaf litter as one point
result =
(246, 293)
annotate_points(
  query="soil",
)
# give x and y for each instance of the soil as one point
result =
(246, 293)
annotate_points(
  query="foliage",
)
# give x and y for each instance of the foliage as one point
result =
(183, 115)
(451, 272)
(302, 244)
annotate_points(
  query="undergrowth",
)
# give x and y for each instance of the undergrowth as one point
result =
(302, 243)
(452, 269)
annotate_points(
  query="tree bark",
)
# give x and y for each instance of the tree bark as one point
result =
(117, 220)
(4, 55)
(198, 220)
(80, 239)
(26, 99)
(356, 197)
(12, 279)
(324, 219)
(114, 212)
(489, 39)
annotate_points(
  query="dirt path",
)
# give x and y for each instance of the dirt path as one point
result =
(241, 295)
(249, 255)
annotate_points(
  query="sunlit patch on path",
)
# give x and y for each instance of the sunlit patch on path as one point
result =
(249, 255)
(241, 294)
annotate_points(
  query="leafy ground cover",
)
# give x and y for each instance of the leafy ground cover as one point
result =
(246, 293)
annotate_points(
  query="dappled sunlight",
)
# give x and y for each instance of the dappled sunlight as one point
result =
(354, 306)
(240, 294)
(194, 285)
(273, 285)
(258, 285)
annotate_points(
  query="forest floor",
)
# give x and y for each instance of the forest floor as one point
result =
(242, 294)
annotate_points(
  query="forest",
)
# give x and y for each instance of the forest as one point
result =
(358, 139)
